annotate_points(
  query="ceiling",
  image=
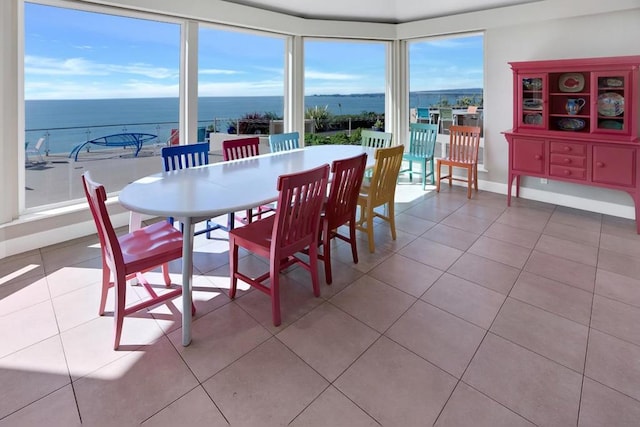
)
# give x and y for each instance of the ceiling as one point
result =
(383, 11)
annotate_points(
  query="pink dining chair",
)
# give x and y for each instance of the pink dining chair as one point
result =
(234, 149)
(294, 228)
(340, 208)
(128, 256)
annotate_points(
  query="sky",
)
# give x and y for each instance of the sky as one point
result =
(71, 54)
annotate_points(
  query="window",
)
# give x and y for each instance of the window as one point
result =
(89, 76)
(240, 83)
(344, 87)
(447, 72)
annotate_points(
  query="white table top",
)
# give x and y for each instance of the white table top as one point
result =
(219, 188)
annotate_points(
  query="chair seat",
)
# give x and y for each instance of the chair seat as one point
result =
(414, 158)
(456, 162)
(256, 236)
(151, 245)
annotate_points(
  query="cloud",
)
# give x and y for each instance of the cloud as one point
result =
(320, 75)
(65, 89)
(218, 71)
(44, 66)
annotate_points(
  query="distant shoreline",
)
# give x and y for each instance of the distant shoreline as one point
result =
(337, 95)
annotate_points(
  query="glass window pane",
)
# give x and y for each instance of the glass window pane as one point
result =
(447, 72)
(344, 89)
(89, 76)
(240, 84)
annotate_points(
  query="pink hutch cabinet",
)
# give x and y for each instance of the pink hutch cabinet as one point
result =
(576, 120)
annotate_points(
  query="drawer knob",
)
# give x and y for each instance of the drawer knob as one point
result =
(567, 148)
(600, 164)
(567, 161)
(567, 172)
(537, 157)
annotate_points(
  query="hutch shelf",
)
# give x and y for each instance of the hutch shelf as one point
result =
(576, 120)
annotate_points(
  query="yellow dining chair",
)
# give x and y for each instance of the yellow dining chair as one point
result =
(380, 190)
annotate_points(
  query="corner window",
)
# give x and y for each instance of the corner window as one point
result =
(101, 94)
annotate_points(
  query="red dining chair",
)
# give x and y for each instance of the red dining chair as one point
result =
(292, 229)
(340, 208)
(130, 255)
(234, 149)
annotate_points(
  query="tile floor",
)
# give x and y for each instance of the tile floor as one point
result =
(477, 315)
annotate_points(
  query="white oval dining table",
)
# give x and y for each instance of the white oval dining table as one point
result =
(195, 194)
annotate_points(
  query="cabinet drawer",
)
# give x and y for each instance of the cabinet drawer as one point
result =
(567, 172)
(566, 160)
(568, 148)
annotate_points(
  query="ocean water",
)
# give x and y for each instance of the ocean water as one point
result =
(67, 123)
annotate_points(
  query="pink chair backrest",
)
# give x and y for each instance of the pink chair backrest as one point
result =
(297, 218)
(96, 196)
(174, 138)
(242, 148)
(472, 109)
(347, 175)
(464, 143)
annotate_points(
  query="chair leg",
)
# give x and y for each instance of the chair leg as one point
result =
(475, 176)
(410, 171)
(313, 264)
(274, 278)
(392, 219)
(433, 171)
(106, 277)
(165, 274)
(469, 182)
(372, 245)
(326, 252)
(438, 178)
(120, 284)
(352, 238)
(450, 175)
(424, 174)
(233, 268)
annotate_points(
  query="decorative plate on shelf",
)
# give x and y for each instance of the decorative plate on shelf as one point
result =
(532, 104)
(610, 104)
(571, 82)
(532, 84)
(533, 119)
(613, 82)
(610, 124)
(571, 124)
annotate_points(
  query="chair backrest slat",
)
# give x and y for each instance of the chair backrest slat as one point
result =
(242, 148)
(464, 143)
(385, 173)
(109, 244)
(185, 156)
(284, 141)
(347, 175)
(297, 218)
(422, 139)
(376, 139)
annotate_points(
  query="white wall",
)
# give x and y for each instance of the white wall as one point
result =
(543, 30)
(607, 34)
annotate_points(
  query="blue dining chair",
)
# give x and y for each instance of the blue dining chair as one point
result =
(422, 143)
(284, 141)
(423, 115)
(186, 156)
